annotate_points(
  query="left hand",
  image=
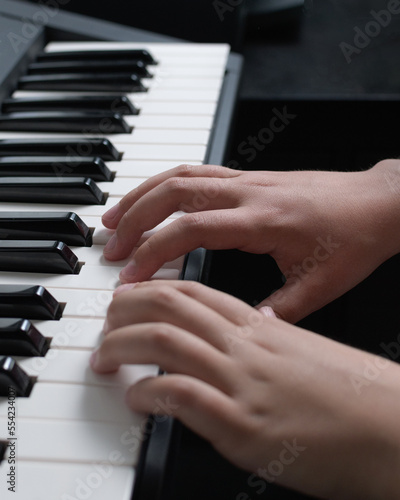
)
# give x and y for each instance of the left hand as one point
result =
(285, 403)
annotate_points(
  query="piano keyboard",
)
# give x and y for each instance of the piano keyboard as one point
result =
(74, 437)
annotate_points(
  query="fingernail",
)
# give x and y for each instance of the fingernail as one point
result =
(129, 272)
(111, 244)
(124, 288)
(267, 311)
(112, 213)
(93, 359)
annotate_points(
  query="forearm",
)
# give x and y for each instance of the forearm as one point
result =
(385, 206)
(379, 407)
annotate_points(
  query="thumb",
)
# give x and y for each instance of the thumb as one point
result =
(297, 298)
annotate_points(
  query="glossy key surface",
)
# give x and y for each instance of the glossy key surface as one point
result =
(69, 146)
(65, 121)
(19, 337)
(110, 103)
(32, 256)
(56, 166)
(100, 82)
(28, 301)
(69, 190)
(13, 379)
(64, 226)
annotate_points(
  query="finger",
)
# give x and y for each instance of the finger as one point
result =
(231, 308)
(299, 297)
(112, 217)
(172, 349)
(167, 305)
(219, 229)
(201, 407)
(175, 194)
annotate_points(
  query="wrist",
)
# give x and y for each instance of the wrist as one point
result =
(385, 184)
(376, 457)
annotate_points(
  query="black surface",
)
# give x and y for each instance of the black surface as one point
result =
(26, 301)
(310, 60)
(18, 337)
(56, 166)
(77, 122)
(54, 190)
(117, 103)
(101, 148)
(33, 256)
(65, 226)
(13, 380)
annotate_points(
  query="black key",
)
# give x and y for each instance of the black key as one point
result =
(64, 190)
(14, 381)
(109, 104)
(99, 55)
(138, 68)
(65, 121)
(64, 226)
(101, 148)
(18, 337)
(3, 449)
(27, 301)
(57, 166)
(92, 82)
(35, 256)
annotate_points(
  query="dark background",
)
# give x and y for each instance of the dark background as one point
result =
(346, 119)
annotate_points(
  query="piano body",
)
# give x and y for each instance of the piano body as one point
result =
(71, 436)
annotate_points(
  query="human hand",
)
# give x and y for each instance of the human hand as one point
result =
(287, 404)
(327, 231)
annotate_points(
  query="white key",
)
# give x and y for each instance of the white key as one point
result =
(67, 481)
(72, 333)
(71, 441)
(93, 256)
(89, 278)
(74, 402)
(90, 304)
(72, 367)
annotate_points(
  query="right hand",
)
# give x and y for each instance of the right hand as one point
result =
(327, 231)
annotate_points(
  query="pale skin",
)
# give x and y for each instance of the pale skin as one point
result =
(320, 227)
(257, 387)
(248, 382)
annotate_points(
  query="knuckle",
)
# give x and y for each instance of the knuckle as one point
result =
(175, 185)
(161, 335)
(183, 392)
(124, 222)
(192, 288)
(162, 296)
(184, 170)
(193, 223)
